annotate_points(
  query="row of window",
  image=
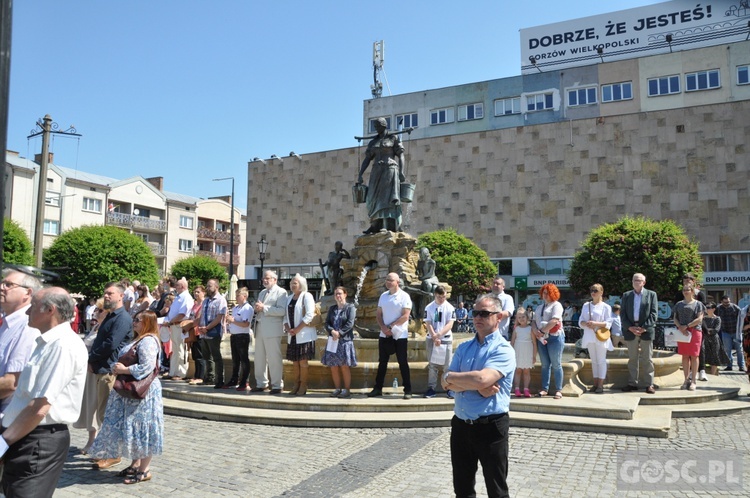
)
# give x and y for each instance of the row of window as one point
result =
(614, 92)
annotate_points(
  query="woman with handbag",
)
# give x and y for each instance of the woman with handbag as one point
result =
(548, 330)
(300, 349)
(596, 320)
(133, 426)
(688, 317)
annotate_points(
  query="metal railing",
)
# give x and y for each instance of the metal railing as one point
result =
(132, 221)
(156, 248)
(221, 258)
(210, 233)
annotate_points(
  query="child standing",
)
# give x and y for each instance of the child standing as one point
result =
(525, 348)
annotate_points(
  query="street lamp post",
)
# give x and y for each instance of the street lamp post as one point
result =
(262, 246)
(231, 227)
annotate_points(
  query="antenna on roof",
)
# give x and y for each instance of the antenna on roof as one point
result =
(378, 58)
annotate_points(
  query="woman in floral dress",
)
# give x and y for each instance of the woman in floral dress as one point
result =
(134, 428)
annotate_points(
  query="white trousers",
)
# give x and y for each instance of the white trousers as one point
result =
(178, 362)
(598, 355)
(268, 352)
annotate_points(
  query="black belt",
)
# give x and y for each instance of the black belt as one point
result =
(484, 420)
(49, 428)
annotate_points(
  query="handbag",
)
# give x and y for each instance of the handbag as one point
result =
(602, 334)
(128, 386)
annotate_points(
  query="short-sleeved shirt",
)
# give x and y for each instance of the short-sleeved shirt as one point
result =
(182, 305)
(243, 313)
(495, 353)
(213, 306)
(686, 313)
(17, 341)
(507, 301)
(56, 371)
(393, 306)
(439, 317)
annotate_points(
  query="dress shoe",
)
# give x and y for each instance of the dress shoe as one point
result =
(106, 463)
(407, 395)
(276, 390)
(375, 393)
(257, 389)
(650, 390)
(629, 388)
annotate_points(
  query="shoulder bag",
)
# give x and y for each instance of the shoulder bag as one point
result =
(126, 385)
(602, 333)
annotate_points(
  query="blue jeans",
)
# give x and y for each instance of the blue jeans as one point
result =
(731, 342)
(551, 356)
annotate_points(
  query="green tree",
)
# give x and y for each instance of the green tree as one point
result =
(90, 256)
(199, 269)
(612, 253)
(17, 248)
(460, 262)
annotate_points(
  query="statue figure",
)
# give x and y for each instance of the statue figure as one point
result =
(428, 281)
(335, 272)
(383, 201)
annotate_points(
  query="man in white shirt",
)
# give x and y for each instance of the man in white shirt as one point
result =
(498, 289)
(35, 438)
(439, 316)
(128, 297)
(394, 307)
(181, 306)
(16, 336)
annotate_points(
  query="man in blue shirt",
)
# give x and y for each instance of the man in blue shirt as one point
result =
(481, 376)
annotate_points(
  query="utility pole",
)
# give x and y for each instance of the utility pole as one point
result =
(6, 22)
(47, 127)
(231, 227)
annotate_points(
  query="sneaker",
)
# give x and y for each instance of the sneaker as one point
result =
(518, 393)
(430, 393)
(685, 384)
(526, 393)
(258, 389)
(335, 393)
(702, 375)
(276, 390)
(728, 369)
(449, 394)
(242, 387)
(692, 386)
(407, 395)
(230, 385)
(345, 394)
(375, 393)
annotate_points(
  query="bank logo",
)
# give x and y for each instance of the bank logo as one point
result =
(679, 471)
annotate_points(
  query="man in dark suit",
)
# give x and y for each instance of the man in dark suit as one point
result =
(638, 314)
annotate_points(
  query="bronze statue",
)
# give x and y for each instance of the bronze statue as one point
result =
(335, 272)
(384, 187)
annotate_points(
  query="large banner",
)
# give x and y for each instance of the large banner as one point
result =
(650, 30)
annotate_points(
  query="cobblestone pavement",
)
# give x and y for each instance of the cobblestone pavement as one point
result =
(208, 459)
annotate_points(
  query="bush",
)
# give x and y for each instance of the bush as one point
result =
(199, 269)
(17, 248)
(460, 262)
(612, 253)
(90, 256)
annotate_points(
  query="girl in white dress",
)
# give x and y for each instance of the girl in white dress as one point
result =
(525, 347)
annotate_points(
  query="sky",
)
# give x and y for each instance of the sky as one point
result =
(192, 90)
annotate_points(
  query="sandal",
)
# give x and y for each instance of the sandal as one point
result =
(138, 477)
(558, 395)
(128, 472)
(540, 394)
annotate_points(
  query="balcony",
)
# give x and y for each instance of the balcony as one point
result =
(157, 249)
(136, 222)
(211, 234)
(221, 258)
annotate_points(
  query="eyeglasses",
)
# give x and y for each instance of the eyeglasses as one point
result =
(11, 285)
(100, 310)
(484, 313)
(136, 320)
(594, 291)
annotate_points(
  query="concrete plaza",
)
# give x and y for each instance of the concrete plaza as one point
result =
(204, 458)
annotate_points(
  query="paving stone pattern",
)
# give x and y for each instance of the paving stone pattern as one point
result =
(206, 459)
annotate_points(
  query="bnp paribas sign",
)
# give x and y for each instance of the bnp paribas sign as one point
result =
(625, 34)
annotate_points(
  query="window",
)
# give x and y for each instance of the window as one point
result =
(93, 205)
(549, 266)
(143, 236)
(743, 78)
(441, 116)
(581, 96)
(508, 106)
(51, 227)
(617, 91)
(186, 245)
(222, 227)
(145, 213)
(470, 111)
(52, 198)
(538, 101)
(372, 124)
(186, 222)
(702, 80)
(663, 86)
(221, 249)
(407, 121)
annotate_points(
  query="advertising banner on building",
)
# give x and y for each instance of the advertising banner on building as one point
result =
(626, 34)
